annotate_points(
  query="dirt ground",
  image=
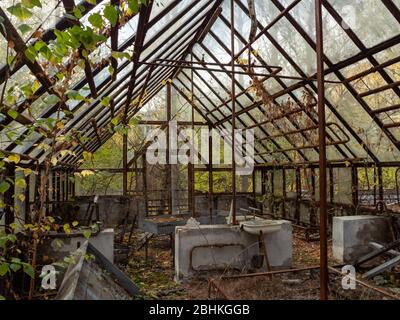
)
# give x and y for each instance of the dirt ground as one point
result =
(156, 277)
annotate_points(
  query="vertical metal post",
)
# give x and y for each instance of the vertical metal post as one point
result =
(27, 199)
(192, 171)
(62, 185)
(67, 185)
(322, 152)
(283, 213)
(331, 186)
(375, 183)
(144, 171)
(73, 187)
(253, 182)
(354, 185)
(125, 163)
(380, 184)
(233, 98)
(169, 165)
(9, 217)
(210, 173)
(298, 196)
(58, 186)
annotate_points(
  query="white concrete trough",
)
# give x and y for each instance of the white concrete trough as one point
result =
(352, 236)
(209, 248)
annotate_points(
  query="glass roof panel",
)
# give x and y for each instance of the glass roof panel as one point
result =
(357, 16)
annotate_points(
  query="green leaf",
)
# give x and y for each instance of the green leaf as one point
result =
(96, 20)
(75, 223)
(111, 14)
(110, 70)
(133, 5)
(24, 28)
(15, 267)
(31, 54)
(120, 55)
(87, 234)
(21, 183)
(14, 158)
(13, 113)
(52, 99)
(77, 12)
(87, 156)
(105, 101)
(2, 297)
(31, 3)
(114, 121)
(4, 186)
(75, 95)
(4, 267)
(28, 269)
(20, 12)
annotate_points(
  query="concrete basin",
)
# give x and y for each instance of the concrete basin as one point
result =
(258, 225)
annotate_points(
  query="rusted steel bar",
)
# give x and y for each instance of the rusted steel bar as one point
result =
(125, 163)
(210, 175)
(391, 125)
(9, 218)
(233, 98)
(373, 69)
(386, 109)
(179, 123)
(268, 273)
(144, 16)
(324, 278)
(284, 134)
(269, 75)
(6, 111)
(169, 143)
(155, 64)
(145, 192)
(334, 143)
(380, 89)
(282, 116)
(184, 63)
(380, 184)
(191, 164)
(96, 129)
(114, 41)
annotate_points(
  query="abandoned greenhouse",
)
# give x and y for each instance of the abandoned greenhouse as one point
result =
(199, 150)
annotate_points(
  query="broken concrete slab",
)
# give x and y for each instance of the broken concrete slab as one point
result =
(352, 235)
(94, 278)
